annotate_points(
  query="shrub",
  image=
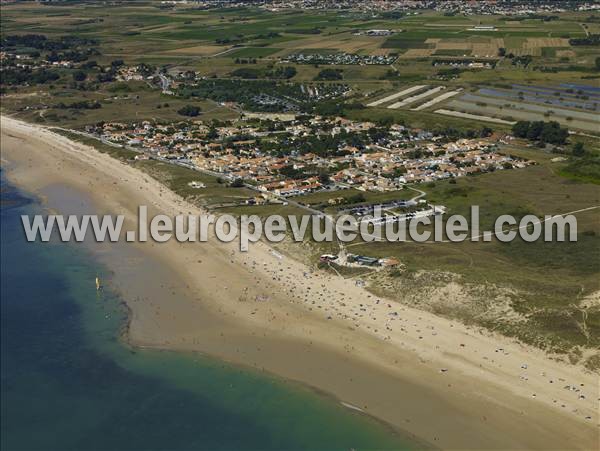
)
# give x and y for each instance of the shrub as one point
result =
(189, 110)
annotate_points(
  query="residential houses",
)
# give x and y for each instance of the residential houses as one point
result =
(235, 151)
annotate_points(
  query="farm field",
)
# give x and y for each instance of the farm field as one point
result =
(534, 96)
(257, 33)
(432, 50)
(573, 106)
(563, 112)
(528, 113)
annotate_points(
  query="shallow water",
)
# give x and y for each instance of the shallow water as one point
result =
(69, 382)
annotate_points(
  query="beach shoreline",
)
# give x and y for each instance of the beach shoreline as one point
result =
(480, 401)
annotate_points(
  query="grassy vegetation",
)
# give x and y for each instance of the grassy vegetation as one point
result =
(137, 103)
(115, 152)
(253, 52)
(584, 170)
(544, 281)
(177, 179)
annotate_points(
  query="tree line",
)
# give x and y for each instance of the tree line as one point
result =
(540, 131)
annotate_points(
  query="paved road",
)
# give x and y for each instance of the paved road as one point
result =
(165, 83)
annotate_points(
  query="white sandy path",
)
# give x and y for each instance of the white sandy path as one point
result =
(395, 96)
(413, 99)
(436, 100)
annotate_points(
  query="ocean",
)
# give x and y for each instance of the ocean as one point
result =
(70, 382)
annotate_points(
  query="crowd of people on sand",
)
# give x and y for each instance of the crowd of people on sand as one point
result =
(384, 319)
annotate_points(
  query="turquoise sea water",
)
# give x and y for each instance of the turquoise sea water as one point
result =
(69, 383)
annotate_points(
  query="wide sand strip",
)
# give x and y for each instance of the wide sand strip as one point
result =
(450, 385)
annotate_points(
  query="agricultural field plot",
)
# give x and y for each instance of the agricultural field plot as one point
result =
(519, 105)
(540, 47)
(561, 53)
(339, 42)
(512, 114)
(563, 99)
(417, 53)
(425, 97)
(429, 36)
(199, 50)
(253, 52)
(130, 31)
(588, 90)
(479, 47)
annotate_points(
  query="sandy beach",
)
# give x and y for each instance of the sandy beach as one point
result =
(447, 384)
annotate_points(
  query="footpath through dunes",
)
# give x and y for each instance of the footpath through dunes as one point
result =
(448, 384)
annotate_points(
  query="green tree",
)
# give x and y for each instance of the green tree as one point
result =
(324, 178)
(578, 149)
(535, 130)
(330, 74)
(520, 129)
(357, 198)
(189, 110)
(553, 133)
(79, 75)
(213, 133)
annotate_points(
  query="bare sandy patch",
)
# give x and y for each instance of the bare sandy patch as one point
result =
(565, 53)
